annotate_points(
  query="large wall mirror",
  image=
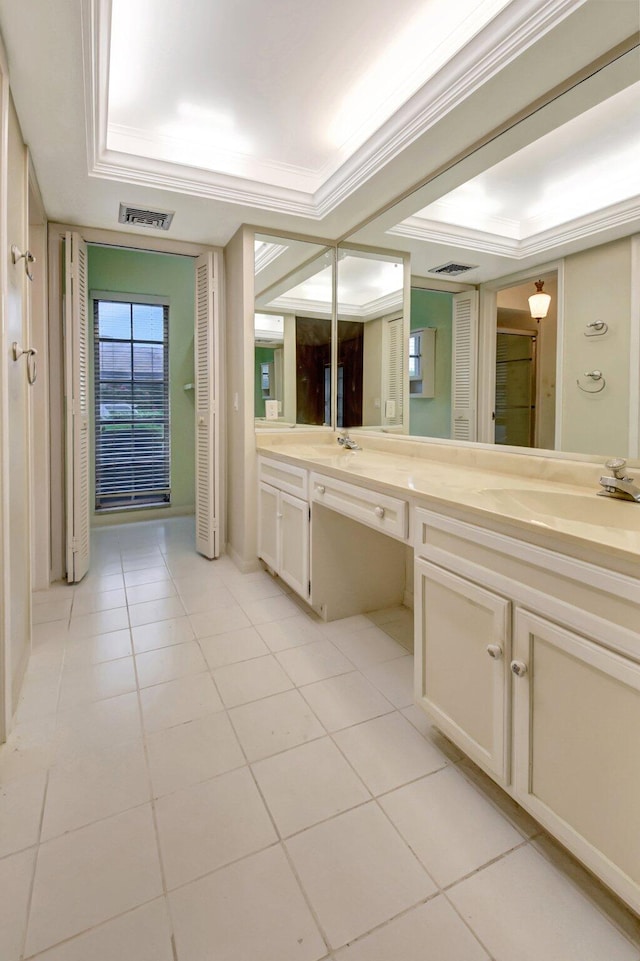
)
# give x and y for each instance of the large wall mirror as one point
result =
(555, 198)
(294, 283)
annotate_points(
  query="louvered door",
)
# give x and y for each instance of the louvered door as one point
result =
(393, 371)
(207, 387)
(464, 366)
(77, 407)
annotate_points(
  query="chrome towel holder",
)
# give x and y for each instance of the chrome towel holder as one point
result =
(32, 353)
(28, 259)
(597, 378)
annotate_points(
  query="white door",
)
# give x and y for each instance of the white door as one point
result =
(464, 369)
(207, 403)
(462, 658)
(76, 336)
(268, 510)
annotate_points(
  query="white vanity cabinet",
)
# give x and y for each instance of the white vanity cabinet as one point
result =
(283, 523)
(576, 730)
(462, 663)
(529, 660)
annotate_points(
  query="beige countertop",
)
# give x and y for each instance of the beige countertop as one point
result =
(545, 499)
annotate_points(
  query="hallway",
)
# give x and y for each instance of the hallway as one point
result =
(200, 771)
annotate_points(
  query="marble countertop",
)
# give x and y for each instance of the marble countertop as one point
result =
(521, 491)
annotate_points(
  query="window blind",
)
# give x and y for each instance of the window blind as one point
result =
(132, 429)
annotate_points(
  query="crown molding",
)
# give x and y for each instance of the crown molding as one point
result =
(497, 44)
(581, 228)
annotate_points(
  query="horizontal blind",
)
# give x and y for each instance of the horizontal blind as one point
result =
(132, 426)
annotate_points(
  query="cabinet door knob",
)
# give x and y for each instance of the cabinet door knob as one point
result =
(279, 516)
(494, 651)
(519, 668)
(379, 512)
(320, 489)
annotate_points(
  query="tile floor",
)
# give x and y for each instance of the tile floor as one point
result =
(201, 771)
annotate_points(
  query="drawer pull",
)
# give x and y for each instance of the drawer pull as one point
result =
(379, 512)
(320, 488)
(494, 651)
(519, 668)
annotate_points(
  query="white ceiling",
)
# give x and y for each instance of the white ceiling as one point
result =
(294, 115)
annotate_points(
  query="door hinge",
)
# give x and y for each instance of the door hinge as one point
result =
(309, 588)
(74, 545)
(309, 511)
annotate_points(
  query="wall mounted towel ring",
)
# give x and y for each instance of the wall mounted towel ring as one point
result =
(596, 377)
(596, 328)
(32, 353)
(28, 259)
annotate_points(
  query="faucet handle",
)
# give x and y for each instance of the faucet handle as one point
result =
(617, 465)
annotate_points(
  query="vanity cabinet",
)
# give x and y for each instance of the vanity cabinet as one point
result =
(530, 662)
(462, 663)
(283, 523)
(576, 718)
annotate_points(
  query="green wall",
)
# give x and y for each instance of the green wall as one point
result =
(163, 275)
(431, 416)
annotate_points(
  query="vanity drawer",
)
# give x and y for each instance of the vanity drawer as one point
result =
(285, 477)
(380, 511)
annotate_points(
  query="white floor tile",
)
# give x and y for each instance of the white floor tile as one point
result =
(95, 786)
(211, 623)
(38, 696)
(177, 702)
(430, 932)
(29, 748)
(251, 911)
(207, 599)
(242, 645)
(95, 650)
(394, 679)
(270, 609)
(151, 611)
(449, 825)
(314, 662)
(151, 637)
(89, 603)
(20, 812)
(58, 610)
(308, 784)
(522, 907)
(153, 591)
(345, 700)
(71, 894)
(95, 682)
(250, 680)
(96, 583)
(143, 934)
(141, 562)
(16, 873)
(101, 622)
(368, 646)
(93, 727)
(211, 824)
(289, 632)
(192, 752)
(148, 575)
(388, 752)
(274, 724)
(357, 872)
(169, 663)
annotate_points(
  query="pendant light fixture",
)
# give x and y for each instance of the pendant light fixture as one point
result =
(539, 302)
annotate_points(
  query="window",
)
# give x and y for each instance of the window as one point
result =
(132, 441)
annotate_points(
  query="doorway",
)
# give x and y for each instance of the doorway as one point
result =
(515, 404)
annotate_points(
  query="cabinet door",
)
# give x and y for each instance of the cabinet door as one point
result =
(577, 761)
(268, 510)
(462, 654)
(294, 543)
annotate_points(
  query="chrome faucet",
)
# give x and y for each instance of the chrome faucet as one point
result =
(347, 442)
(619, 485)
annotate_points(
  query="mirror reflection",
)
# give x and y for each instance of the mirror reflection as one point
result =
(293, 320)
(371, 375)
(496, 223)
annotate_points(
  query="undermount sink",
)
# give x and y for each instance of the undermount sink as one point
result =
(581, 508)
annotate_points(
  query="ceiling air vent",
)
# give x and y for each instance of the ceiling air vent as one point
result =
(452, 269)
(138, 217)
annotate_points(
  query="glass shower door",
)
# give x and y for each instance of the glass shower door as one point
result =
(515, 406)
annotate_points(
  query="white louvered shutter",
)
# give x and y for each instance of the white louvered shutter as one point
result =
(464, 366)
(77, 407)
(207, 388)
(393, 371)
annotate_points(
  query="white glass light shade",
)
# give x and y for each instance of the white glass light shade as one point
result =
(539, 302)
